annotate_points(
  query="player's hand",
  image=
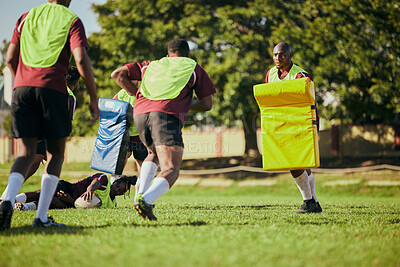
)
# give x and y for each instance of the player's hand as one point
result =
(65, 196)
(87, 196)
(94, 111)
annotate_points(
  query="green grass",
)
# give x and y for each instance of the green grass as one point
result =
(218, 226)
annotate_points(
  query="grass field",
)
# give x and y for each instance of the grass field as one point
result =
(222, 226)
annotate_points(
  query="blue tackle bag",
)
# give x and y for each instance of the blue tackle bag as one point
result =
(111, 145)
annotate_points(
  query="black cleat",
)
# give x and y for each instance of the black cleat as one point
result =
(6, 211)
(308, 206)
(144, 210)
(37, 223)
(319, 209)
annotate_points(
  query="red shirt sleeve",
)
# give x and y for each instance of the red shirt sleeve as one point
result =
(135, 70)
(103, 180)
(203, 85)
(17, 30)
(77, 35)
(302, 75)
(267, 76)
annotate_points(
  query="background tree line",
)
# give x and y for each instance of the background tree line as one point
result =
(351, 47)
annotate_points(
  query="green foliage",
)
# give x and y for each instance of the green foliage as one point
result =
(350, 47)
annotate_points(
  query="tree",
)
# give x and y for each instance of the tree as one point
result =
(350, 47)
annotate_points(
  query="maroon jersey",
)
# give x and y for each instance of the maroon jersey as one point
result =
(179, 106)
(81, 186)
(52, 77)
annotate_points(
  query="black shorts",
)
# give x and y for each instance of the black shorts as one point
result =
(159, 128)
(138, 149)
(40, 112)
(41, 147)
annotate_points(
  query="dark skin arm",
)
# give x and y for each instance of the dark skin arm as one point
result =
(87, 196)
(120, 76)
(64, 196)
(204, 104)
(85, 70)
(12, 58)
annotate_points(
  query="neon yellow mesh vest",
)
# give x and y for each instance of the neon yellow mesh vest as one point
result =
(273, 74)
(124, 96)
(41, 41)
(71, 93)
(104, 195)
(165, 78)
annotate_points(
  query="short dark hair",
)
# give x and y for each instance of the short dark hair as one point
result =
(178, 46)
(127, 180)
(73, 74)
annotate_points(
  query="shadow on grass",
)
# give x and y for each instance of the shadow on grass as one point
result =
(68, 230)
(196, 223)
(243, 207)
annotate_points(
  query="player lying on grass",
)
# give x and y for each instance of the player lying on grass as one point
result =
(66, 193)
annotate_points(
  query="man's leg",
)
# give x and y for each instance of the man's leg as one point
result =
(56, 150)
(170, 158)
(301, 179)
(311, 181)
(16, 178)
(147, 171)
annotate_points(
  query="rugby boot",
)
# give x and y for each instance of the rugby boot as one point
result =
(6, 211)
(308, 206)
(37, 223)
(319, 209)
(144, 210)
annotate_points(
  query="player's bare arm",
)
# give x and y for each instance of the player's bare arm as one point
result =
(120, 76)
(85, 70)
(12, 58)
(204, 104)
(87, 196)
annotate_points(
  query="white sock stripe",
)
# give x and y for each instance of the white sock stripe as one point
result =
(20, 198)
(303, 185)
(15, 182)
(49, 185)
(311, 181)
(147, 172)
(159, 187)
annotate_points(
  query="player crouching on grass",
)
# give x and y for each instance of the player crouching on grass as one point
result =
(66, 193)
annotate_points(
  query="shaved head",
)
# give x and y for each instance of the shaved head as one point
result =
(282, 56)
(283, 47)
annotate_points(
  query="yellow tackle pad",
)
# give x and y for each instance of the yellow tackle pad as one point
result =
(288, 124)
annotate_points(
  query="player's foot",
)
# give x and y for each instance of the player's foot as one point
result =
(319, 209)
(6, 211)
(37, 223)
(19, 206)
(308, 206)
(144, 210)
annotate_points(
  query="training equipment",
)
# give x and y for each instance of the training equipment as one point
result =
(288, 124)
(80, 203)
(109, 153)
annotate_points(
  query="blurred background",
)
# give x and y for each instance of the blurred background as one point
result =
(351, 48)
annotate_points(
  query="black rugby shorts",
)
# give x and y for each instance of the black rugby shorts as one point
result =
(159, 128)
(40, 112)
(137, 148)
